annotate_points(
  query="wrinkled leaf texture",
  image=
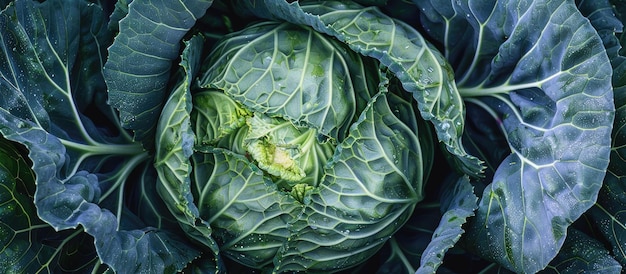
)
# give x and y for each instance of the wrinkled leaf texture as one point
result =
(269, 54)
(608, 214)
(348, 211)
(540, 69)
(420, 67)
(52, 55)
(351, 209)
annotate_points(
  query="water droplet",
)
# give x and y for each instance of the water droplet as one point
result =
(445, 126)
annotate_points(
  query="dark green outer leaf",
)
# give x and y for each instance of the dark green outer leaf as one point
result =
(609, 213)
(20, 250)
(140, 59)
(422, 69)
(119, 12)
(541, 69)
(4, 3)
(73, 160)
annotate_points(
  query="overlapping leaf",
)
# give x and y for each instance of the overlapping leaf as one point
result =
(175, 141)
(582, 253)
(231, 192)
(541, 70)
(458, 205)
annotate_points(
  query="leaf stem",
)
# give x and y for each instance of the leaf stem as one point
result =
(121, 176)
(32, 227)
(105, 149)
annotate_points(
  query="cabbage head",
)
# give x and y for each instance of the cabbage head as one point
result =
(289, 151)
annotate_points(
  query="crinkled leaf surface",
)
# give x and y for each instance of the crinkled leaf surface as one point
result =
(231, 192)
(540, 68)
(138, 66)
(423, 71)
(268, 69)
(48, 76)
(351, 209)
(215, 115)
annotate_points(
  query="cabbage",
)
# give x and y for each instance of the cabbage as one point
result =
(281, 136)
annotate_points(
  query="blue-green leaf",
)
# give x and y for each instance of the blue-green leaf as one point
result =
(49, 77)
(138, 66)
(28, 244)
(608, 214)
(540, 69)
